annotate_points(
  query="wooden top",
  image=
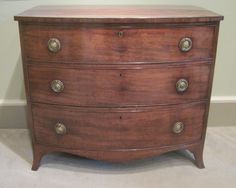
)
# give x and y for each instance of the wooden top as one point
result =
(118, 14)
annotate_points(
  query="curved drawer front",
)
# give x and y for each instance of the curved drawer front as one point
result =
(116, 45)
(103, 129)
(100, 87)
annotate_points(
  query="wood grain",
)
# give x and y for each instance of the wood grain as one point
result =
(118, 14)
(103, 88)
(119, 102)
(107, 129)
(101, 45)
(115, 156)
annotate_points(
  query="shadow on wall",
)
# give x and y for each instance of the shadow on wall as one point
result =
(13, 112)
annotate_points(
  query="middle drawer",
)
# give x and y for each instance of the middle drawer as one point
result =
(143, 85)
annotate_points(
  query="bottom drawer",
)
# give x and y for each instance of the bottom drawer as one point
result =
(117, 128)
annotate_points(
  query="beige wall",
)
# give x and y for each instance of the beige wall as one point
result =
(11, 81)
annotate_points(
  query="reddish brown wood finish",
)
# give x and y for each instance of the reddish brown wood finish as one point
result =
(197, 151)
(99, 45)
(116, 156)
(114, 129)
(119, 102)
(118, 14)
(145, 85)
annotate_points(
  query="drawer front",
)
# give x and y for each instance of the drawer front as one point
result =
(146, 85)
(116, 45)
(101, 129)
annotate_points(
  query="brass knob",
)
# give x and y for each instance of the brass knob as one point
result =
(57, 86)
(54, 45)
(178, 127)
(121, 34)
(60, 128)
(181, 85)
(185, 44)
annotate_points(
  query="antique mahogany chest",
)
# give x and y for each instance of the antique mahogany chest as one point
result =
(118, 83)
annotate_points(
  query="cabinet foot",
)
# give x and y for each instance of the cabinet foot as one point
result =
(38, 154)
(117, 156)
(198, 155)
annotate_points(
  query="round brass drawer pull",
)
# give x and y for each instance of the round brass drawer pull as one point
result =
(60, 128)
(185, 44)
(181, 85)
(54, 45)
(178, 127)
(57, 86)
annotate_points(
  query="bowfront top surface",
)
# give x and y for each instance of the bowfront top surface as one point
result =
(118, 14)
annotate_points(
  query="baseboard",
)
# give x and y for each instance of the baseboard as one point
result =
(13, 114)
(223, 99)
(222, 112)
(12, 102)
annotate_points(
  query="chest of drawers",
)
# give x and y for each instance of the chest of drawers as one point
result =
(118, 83)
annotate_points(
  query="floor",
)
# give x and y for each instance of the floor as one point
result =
(172, 170)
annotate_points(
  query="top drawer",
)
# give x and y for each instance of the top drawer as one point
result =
(78, 44)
